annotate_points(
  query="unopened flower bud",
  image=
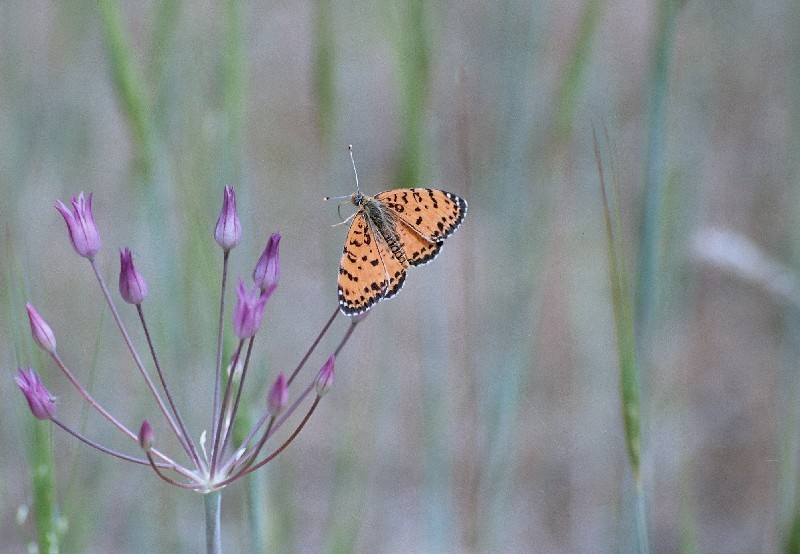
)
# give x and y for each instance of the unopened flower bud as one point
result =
(278, 396)
(146, 436)
(41, 331)
(249, 311)
(83, 232)
(132, 286)
(40, 401)
(268, 268)
(229, 230)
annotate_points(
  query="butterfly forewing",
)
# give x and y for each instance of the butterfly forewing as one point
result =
(434, 214)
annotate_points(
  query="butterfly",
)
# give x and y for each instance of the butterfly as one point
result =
(391, 231)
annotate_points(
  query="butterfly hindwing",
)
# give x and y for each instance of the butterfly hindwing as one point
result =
(417, 248)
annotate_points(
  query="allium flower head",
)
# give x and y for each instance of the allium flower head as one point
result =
(278, 396)
(41, 331)
(132, 286)
(80, 223)
(249, 311)
(325, 377)
(229, 230)
(268, 268)
(40, 401)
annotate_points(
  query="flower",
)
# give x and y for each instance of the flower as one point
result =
(146, 436)
(325, 377)
(41, 331)
(229, 230)
(278, 396)
(268, 268)
(249, 311)
(132, 286)
(80, 223)
(40, 401)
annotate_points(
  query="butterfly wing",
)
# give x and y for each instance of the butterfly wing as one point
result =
(424, 218)
(418, 249)
(368, 272)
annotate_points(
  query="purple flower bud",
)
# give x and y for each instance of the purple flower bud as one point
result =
(268, 268)
(80, 223)
(146, 436)
(229, 231)
(249, 311)
(132, 286)
(325, 377)
(278, 396)
(40, 401)
(41, 331)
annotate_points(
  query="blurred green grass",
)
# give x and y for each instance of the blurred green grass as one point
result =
(480, 409)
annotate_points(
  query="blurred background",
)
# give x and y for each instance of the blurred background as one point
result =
(479, 411)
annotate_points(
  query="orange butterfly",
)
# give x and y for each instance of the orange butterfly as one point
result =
(391, 231)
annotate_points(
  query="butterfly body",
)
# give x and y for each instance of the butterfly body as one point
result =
(391, 231)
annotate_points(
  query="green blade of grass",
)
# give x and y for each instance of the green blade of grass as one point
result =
(41, 465)
(626, 349)
(234, 81)
(324, 71)
(649, 250)
(128, 84)
(409, 30)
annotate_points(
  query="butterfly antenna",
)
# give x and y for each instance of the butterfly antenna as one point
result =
(358, 190)
(350, 149)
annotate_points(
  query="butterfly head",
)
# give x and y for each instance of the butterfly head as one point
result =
(357, 199)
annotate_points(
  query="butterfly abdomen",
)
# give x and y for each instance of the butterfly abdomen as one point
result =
(385, 228)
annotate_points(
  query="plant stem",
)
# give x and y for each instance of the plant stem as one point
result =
(213, 501)
(218, 368)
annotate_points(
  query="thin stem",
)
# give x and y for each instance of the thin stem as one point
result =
(212, 502)
(313, 346)
(218, 371)
(273, 427)
(346, 337)
(94, 404)
(102, 448)
(262, 442)
(278, 451)
(88, 397)
(184, 436)
(232, 419)
(257, 426)
(251, 457)
(132, 349)
(169, 480)
(277, 423)
(218, 432)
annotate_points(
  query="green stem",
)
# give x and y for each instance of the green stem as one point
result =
(647, 285)
(213, 501)
(43, 480)
(128, 83)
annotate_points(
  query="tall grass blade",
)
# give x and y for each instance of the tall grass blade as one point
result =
(41, 465)
(325, 72)
(658, 96)
(626, 349)
(129, 86)
(234, 81)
